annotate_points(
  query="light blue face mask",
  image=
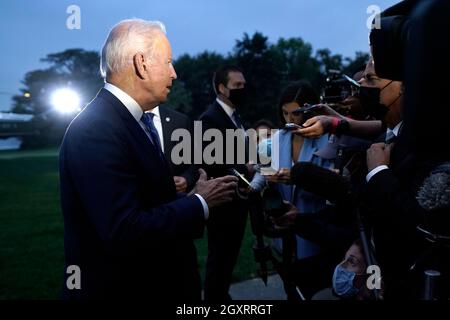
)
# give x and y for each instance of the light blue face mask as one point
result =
(343, 282)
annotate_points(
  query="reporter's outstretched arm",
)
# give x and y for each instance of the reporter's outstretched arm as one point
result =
(320, 125)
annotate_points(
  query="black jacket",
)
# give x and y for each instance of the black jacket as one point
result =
(125, 227)
(172, 120)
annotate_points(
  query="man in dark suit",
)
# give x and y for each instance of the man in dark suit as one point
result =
(126, 228)
(423, 65)
(166, 122)
(394, 176)
(226, 229)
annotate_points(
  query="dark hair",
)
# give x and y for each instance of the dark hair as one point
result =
(301, 92)
(221, 76)
(359, 245)
(264, 122)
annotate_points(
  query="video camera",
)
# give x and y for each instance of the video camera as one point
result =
(308, 111)
(389, 39)
(338, 87)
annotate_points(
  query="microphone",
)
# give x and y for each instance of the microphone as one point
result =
(322, 182)
(434, 197)
(435, 192)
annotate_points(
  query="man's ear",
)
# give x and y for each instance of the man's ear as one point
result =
(222, 89)
(140, 64)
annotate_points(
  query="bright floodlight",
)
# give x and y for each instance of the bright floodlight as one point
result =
(66, 100)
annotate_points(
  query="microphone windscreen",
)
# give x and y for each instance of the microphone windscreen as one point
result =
(435, 192)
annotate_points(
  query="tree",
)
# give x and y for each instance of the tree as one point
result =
(267, 67)
(180, 98)
(295, 60)
(74, 68)
(263, 76)
(328, 61)
(195, 76)
(353, 65)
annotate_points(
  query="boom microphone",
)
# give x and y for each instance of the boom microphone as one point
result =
(322, 182)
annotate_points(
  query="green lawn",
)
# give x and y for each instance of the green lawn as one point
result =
(31, 228)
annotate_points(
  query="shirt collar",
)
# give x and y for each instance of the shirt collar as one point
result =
(155, 111)
(133, 107)
(228, 110)
(396, 129)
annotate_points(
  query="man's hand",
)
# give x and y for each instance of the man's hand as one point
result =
(287, 220)
(282, 176)
(378, 154)
(180, 183)
(216, 191)
(315, 127)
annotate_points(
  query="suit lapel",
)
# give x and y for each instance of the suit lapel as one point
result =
(147, 148)
(222, 116)
(168, 126)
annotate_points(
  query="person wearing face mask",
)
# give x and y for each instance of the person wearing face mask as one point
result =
(381, 100)
(311, 265)
(349, 277)
(393, 179)
(394, 176)
(227, 226)
(388, 195)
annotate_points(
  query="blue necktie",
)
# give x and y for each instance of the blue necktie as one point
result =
(390, 137)
(147, 119)
(237, 120)
(239, 125)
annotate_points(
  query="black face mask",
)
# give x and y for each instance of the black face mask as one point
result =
(238, 96)
(370, 101)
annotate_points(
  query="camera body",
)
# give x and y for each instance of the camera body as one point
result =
(338, 87)
(308, 111)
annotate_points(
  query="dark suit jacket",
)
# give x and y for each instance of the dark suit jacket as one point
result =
(216, 118)
(172, 120)
(394, 214)
(125, 226)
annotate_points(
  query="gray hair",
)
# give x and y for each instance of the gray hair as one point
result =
(124, 40)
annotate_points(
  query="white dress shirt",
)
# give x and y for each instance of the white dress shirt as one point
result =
(382, 167)
(136, 111)
(228, 110)
(158, 125)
